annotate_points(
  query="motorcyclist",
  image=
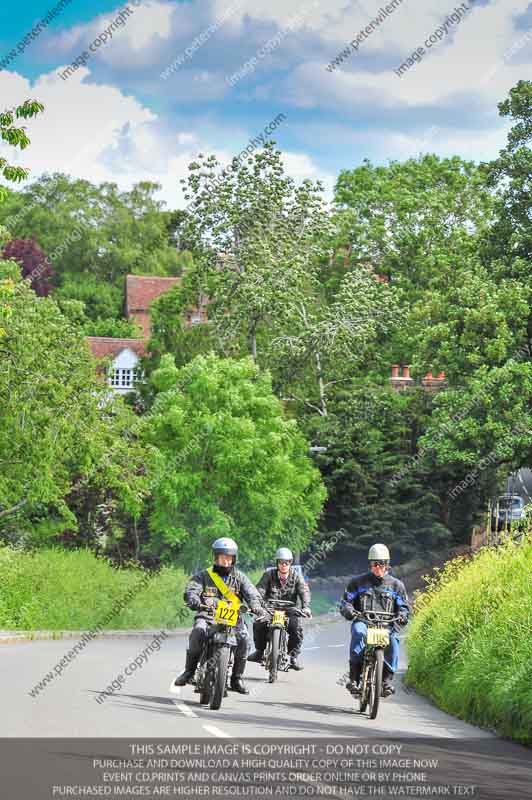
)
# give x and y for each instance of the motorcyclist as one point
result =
(202, 595)
(375, 590)
(283, 582)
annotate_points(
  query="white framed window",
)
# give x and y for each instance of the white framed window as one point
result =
(124, 378)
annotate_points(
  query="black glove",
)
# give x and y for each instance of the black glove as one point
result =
(403, 618)
(348, 611)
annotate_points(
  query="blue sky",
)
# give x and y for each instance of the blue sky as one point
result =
(116, 118)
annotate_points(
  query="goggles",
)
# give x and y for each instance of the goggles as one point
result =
(379, 563)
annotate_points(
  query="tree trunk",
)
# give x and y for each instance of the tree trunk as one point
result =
(323, 400)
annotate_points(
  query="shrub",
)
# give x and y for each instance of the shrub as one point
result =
(55, 589)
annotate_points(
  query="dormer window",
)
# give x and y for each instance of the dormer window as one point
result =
(122, 378)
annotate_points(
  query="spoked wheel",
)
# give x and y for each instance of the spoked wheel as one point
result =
(274, 654)
(284, 659)
(366, 680)
(220, 677)
(376, 683)
(206, 681)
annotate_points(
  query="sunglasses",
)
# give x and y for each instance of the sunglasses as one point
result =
(379, 564)
(284, 562)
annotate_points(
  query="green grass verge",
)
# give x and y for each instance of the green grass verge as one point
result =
(73, 590)
(470, 641)
(58, 590)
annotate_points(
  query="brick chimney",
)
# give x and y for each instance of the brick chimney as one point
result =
(432, 384)
(400, 382)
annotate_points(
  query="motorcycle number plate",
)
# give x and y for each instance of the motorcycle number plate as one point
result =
(378, 637)
(225, 614)
(279, 617)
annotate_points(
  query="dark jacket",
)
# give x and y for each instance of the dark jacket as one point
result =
(270, 587)
(366, 592)
(201, 586)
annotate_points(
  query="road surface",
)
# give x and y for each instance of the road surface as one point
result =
(308, 703)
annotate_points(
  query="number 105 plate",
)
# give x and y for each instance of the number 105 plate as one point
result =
(378, 637)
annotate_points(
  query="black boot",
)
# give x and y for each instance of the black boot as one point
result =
(238, 685)
(191, 663)
(353, 685)
(387, 678)
(294, 663)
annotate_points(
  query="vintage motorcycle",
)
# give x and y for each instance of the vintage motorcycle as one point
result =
(215, 664)
(276, 658)
(378, 639)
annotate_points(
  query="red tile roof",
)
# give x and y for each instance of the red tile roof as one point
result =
(141, 291)
(103, 346)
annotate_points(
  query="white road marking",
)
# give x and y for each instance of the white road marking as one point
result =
(310, 648)
(215, 731)
(344, 644)
(185, 710)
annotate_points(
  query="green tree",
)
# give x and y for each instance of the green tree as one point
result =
(369, 437)
(58, 429)
(412, 221)
(508, 243)
(94, 236)
(225, 461)
(256, 239)
(17, 137)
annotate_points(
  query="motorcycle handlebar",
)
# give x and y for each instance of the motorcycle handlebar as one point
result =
(378, 616)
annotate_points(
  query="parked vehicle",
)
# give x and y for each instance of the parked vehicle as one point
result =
(508, 508)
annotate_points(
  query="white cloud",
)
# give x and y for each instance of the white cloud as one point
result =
(138, 40)
(471, 63)
(300, 166)
(96, 132)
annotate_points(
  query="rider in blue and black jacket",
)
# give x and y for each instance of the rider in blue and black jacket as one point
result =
(375, 590)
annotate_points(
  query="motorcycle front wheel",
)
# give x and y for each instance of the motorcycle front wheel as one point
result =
(220, 677)
(366, 681)
(274, 654)
(376, 683)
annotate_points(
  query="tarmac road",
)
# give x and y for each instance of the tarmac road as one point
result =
(300, 704)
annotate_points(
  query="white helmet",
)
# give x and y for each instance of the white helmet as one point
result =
(378, 552)
(226, 547)
(284, 554)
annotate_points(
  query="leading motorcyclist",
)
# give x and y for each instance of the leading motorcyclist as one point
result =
(202, 595)
(283, 582)
(375, 590)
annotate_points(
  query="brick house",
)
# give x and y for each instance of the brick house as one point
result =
(125, 354)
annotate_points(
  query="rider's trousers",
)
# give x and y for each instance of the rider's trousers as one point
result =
(199, 633)
(359, 632)
(295, 634)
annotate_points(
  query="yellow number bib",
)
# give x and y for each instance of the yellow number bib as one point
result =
(278, 618)
(225, 614)
(378, 637)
